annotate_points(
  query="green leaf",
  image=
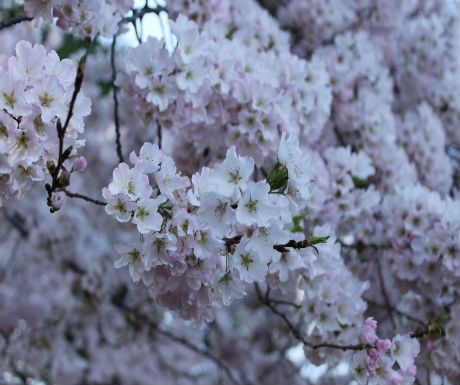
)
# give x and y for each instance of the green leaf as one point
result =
(312, 241)
(297, 228)
(70, 45)
(315, 240)
(441, 316)
(278, 178)
(360, 183)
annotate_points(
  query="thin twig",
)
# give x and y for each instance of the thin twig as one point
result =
(59, 179)
(159, 134)
(286, 303)
(115, 99)
(204, 352)
(17, 221)
(339, 136)
(141, 12)
(84, 197)
(137, 33)
(78, 82)
(386, 299)
(295, 332)
(143, 320)
(397, 311)
(14, 251)
(282, 248)
(14, 20)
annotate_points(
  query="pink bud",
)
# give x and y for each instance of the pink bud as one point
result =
(411, 371)
(58, 199)
(368, 335)
(80, 164)
(394, 378)
(371, 322)
(374, 353)
(383, 345)
(371, 365)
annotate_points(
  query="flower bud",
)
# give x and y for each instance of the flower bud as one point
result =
(80, 164)
(51, 166)
(383, 345)
(411, 371)
(57, 200)
(64, 179)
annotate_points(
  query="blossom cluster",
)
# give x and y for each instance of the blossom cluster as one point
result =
(423, 136)
(36, 89)
(202, 242)
(331, 311)
(351, 195)
(384, 361)
(312, 173)
(409, 216)
(218, 81)
(86, 18)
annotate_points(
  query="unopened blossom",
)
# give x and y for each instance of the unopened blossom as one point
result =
(80, 164)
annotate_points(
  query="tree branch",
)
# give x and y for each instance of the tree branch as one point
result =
(295, 332)
(141, 12)
(14, 20)
(143, 320)
(61, 179)
(116, 116)
(396, 311)
(84, 197)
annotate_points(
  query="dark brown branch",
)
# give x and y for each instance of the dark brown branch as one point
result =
(159, 134)
(283, 248)
(229, 242)
(116, 116)
(84, 197)
(14, 20)
(309, 242)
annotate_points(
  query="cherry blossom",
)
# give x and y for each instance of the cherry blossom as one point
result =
(267, 186)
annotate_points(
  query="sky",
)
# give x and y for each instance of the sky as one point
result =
(151, 25)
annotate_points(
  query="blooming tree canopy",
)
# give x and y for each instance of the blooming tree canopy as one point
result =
(268, 193)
